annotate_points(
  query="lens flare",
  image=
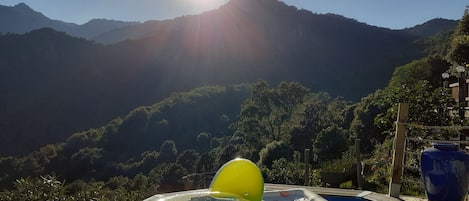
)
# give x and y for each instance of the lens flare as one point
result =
(206, 4)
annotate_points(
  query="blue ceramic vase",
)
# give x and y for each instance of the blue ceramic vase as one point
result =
(445, 172)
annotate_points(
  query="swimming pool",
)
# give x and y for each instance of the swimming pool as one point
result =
(273, 194)
(297, 194)
(342, 198)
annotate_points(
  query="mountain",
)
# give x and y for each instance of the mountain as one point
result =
(54, 85)
(96, 27)
(432, 27)
(245, 40)
(21, 18)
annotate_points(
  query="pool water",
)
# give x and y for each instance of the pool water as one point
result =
(340, 198)
(293, 194)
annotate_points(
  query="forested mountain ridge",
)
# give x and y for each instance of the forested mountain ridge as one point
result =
(56, 85)
(21, 19)
(188, 132)
(151, 150)
(432, 27)
(130, 145)
(152, 27)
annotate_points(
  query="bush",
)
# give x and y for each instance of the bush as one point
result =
(50, 188)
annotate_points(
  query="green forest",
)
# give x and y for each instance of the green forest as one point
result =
(180, 142)
(54, 84)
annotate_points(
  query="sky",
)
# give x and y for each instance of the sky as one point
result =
(393, 14)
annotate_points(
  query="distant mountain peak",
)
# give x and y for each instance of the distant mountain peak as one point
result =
(25, 10)
(21, 19)
(24, 7)
(22, 4)
(99, 21)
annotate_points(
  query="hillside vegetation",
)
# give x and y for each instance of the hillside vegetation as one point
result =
(178, 142)
(53, 84)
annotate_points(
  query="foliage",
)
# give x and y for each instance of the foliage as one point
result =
(171, 178)
(273, 151)
(206, 163)
(134, 155)
(227, 153)
(168, 152)
(460, 42)
(363, 124)
(343, 164)
(378, 170)
(187, 159)
(285, 171)
(50, 188)
(265, 115)
(439, 44)
(272, 126)
(330, 144)
(317, 113)
(416, 83)
(429, 68)
(203, 142)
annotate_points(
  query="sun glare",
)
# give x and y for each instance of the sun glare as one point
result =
(206, 4)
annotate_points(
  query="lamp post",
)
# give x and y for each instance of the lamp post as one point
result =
(445, 77)
(444, 91)
(462, 92)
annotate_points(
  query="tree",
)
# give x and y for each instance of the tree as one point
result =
(459, 53)
(330, 144)
(118, 182)
(133, 131)
(319, 111)
(88, 138)
(206, 163)
(289, 96)
(315, 119)
(139, 182)
(168, 152)
(363, 124)
(171, 178)
(429, 68)
(187, 159)
(51, 188)
(286, 171)
(150, 160)
(228, 153)
(202, 142)
(84, 163)
(45, 188)
(266, 115)
(274, 151)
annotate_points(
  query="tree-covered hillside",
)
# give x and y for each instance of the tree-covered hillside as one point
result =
(190, 135)
(137, 143)
(179, 142)
(192, 132)
(53, 85)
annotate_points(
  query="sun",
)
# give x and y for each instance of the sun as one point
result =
(207, 4)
